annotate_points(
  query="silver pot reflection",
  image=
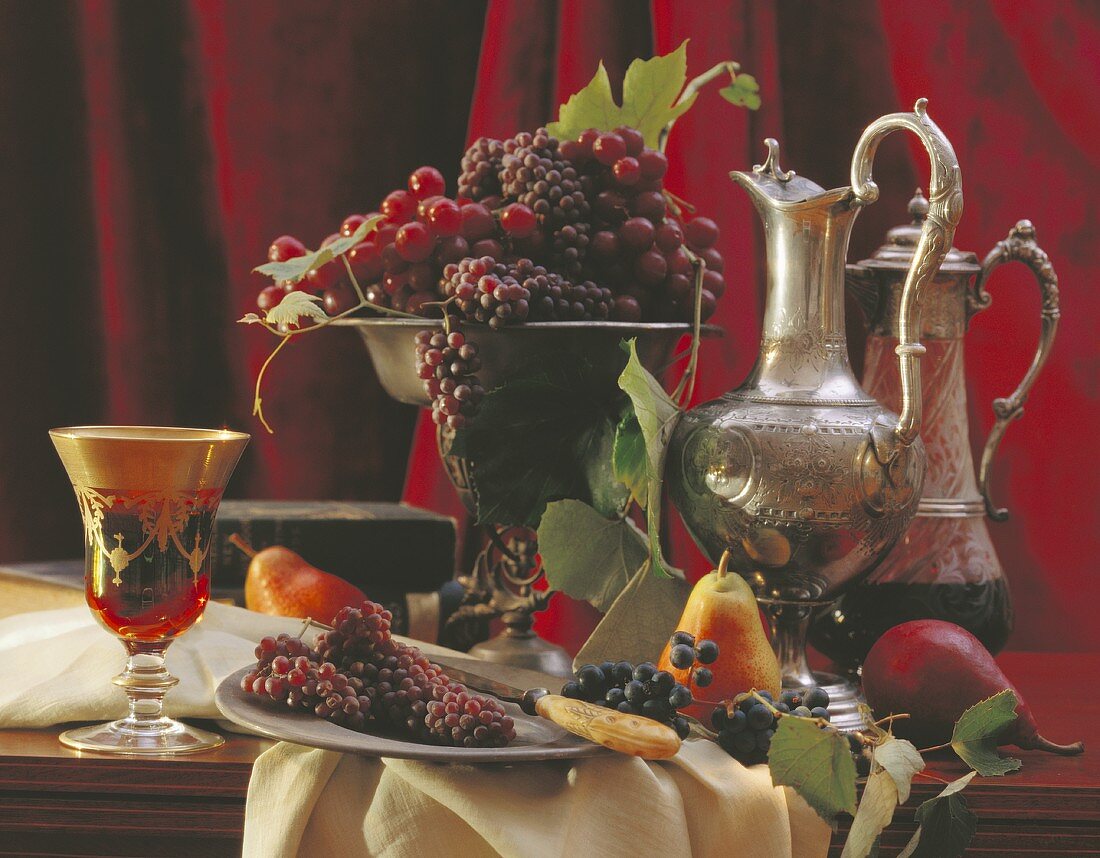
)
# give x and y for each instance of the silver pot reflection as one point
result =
(806, 479)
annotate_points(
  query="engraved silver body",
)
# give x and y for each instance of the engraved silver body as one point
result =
(803, 476)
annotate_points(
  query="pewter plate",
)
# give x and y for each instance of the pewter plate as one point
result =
(536, 738)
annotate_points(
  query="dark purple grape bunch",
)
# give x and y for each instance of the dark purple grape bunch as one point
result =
(448, 365)
(555, 299)
(634, 690)
(747, 724)
(484, 290)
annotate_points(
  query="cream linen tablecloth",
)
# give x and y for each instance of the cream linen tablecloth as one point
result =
(307, 802)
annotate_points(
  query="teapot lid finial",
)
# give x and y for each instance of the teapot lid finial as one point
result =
(771, 167)
(918, 207)
(901, 241)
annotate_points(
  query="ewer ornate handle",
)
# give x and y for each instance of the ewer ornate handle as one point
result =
(1019, 246)
(945, 203)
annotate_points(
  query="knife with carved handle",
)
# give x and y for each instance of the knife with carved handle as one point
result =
(627, 734)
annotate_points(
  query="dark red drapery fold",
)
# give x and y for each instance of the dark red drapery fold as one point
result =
(152, 150)
(1014, 95)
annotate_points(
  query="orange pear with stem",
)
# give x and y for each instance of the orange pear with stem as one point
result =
(722, 608)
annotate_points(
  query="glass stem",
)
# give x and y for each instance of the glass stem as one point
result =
(145, 680)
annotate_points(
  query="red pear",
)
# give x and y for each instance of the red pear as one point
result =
(935, 671)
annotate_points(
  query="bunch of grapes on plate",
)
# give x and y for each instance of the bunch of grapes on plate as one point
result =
(358, 674)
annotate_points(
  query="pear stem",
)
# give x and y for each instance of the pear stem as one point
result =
(723, 564)
(1039, 743)
(237, 540)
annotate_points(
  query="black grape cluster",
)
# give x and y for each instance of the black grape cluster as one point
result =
(643, 689)
(357, 674)
(746, 725)
(448, 366)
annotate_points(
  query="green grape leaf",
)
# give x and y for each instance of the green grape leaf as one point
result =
(295, 306)
(591, 107)
(742, 91)
(250, 319)
(620, 635)
(609, 494)
(876, 809)
(657, 416)
(293, 270)
(816, 763)
(557, 423)
(586, 555)
(628, 458)
(901, 760)
(946, 824)
(976, 732)
(650, 90)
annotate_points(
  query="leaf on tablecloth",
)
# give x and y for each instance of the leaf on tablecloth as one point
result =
(816, 763)
(902, 761)
(640, 621)
(975, 735)
(876, 809)
(946, 824)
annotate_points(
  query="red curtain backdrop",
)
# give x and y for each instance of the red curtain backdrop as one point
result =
(150, 151)
(1012, 86)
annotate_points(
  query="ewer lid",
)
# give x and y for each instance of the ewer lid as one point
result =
(901, 241)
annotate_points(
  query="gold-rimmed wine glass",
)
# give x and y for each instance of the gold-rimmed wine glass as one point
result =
(147, 496)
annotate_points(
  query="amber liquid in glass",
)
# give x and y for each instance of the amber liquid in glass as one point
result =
(157, 596)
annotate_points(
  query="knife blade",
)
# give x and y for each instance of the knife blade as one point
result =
(626, 733)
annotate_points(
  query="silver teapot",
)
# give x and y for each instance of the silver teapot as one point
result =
(806, 479)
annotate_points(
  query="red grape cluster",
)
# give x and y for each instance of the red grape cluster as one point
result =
(591, 211)
(448, 364)
(358, 673)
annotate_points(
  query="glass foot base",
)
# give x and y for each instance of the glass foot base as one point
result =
(121, 737)
(844, 701)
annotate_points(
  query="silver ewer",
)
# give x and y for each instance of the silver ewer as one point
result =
(800, 474)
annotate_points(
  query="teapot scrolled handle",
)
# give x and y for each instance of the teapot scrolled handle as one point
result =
(945, 203)
(1019, 246)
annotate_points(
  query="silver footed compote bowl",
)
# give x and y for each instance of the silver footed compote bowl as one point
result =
(800, 474)
(502, 583)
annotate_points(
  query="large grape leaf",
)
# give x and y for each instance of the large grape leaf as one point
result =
(946, 824)
(541, 437)
(659, 602)
(976, 732)
(816, 763)
(628, 458)
(876, 809)
(650, 90)
(606, 489)
(657, 415)
(586, 555)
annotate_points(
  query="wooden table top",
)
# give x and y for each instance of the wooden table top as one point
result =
(56, 801)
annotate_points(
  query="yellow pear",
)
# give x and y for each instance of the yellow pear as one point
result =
(722, 608)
